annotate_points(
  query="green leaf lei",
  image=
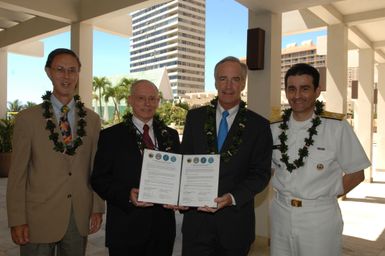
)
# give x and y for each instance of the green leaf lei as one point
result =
(54, 136)
(302, 152)
(210, 130)
(167, 141)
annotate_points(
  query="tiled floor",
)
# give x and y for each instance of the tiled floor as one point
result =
(363, 212)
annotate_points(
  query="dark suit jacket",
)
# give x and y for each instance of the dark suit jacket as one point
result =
(244, 175)
(117, 170)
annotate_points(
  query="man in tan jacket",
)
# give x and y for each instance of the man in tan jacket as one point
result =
(51, 206)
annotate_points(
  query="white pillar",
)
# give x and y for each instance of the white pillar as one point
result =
(82, 44)
(264, 94)
(3, 82)
(380, 161)
(337, 68)
(264, 86)
(363, 107)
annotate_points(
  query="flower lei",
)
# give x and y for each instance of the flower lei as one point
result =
(302, 152)
(210, 130)
(167, 141)
(54, 136)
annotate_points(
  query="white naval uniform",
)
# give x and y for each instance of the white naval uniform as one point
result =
(315, 228)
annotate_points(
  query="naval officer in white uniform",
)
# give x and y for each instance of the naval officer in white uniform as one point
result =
(316, 158)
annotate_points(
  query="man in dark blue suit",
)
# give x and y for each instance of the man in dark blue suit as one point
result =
(133, 227)
(243, 139)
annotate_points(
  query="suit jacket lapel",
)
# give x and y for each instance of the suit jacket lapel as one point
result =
(158, 137)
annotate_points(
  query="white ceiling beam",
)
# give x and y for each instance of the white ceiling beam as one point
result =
(379, 44)
(379, 56)
(29, 29)
(364, 17)
(328, 13)
(14, 16)
(59, 10)
(358, 38)
(120, 26)
(102, 9)
(35, 48)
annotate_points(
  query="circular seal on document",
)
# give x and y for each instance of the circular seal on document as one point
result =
(196, 160)
(165, 157)
(173, 159)
(320, 167)
(158, 156)
(211, 160)
(203, 160)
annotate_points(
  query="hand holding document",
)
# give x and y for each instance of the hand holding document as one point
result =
(174, 179)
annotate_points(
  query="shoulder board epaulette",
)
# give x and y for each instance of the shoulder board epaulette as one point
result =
(332, 115)
(276, 116)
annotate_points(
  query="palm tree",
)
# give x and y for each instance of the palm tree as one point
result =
(29, 104)
(99, 84)
(110, 92)
(15, 106)
(125, 87)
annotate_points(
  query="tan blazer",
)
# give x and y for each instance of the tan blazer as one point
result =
(43, 184)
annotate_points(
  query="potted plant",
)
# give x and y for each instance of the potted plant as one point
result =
(6, 131)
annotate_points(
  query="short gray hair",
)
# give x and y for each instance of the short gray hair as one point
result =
(136, 83)
(232, 59)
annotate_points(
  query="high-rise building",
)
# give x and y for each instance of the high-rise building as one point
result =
(307, 52)
(171, 35)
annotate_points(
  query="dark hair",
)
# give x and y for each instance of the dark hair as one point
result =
(303, 69)
(232, 59)
(60, 51)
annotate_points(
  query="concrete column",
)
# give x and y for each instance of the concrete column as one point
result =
(337, 68)
(363, 106)
(3, 82)
(264, 86)
(380, 161)
(82, 44)
(264, 95)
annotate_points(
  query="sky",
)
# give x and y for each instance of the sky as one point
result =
(226, 34)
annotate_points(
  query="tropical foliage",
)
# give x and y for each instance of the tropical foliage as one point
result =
(6, 132)
(99, 85)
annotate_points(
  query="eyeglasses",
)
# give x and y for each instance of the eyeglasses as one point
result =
(144, 99)
(62, 71)
(225, 79)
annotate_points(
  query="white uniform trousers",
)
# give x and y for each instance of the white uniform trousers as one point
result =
(305, 228)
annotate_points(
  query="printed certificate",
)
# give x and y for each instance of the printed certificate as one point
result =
(185, 180)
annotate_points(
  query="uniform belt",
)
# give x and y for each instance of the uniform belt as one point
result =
(298, 202)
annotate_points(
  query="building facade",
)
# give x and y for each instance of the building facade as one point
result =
(307, 52)
(171, 35)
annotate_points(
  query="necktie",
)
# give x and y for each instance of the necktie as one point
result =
(146, 138)
(64, 125)
(223, 129)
